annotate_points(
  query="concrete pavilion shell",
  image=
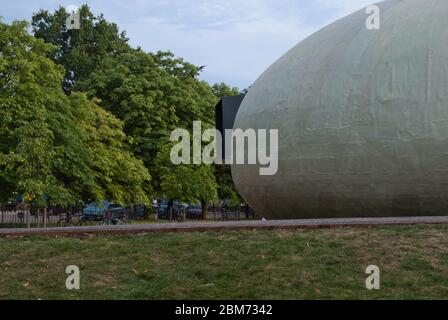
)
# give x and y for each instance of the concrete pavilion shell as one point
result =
(362, 118)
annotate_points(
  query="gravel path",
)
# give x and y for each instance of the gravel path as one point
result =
(226, 226)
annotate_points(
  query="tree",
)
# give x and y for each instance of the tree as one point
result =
(152, 95)
(134, 89)
(29, 84)
(187, 182)
(116, 174)
(79, 51)
(58, 149)
(222, 90)
(194, 100)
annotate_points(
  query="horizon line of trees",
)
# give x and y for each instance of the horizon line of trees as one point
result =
(86, 117)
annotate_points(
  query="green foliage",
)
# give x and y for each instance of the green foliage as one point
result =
(60, 146)
(134, 89)
(29, 94)
(227, 189)
(152, 95)
(117, 174)
(82, 50)
(189, 183)
(222, 90)
(57, 149)
(192, 98)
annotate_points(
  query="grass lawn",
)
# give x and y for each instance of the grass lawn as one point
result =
(307, 264)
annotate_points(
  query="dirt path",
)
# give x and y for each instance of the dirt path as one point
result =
(225, 226)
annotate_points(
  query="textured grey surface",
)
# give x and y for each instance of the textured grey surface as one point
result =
(362, 118)
(227, 226)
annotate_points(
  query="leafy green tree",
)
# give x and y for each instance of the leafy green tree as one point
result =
(82, 50)
(189, 183)
(193, 99)
(152, 95)
(133, 88)
(29, 84)
(222, 90)
(117, 174)
(57, 149)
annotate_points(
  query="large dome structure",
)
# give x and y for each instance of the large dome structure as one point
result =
(362, 118)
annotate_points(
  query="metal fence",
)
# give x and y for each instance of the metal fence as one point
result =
(17, 216)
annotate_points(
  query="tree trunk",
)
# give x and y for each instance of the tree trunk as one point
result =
(45, 217)
(145, 213)
(28, 216)
(204, 205)
(170, 209)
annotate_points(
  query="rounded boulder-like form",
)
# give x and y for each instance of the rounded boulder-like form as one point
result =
(362, 118)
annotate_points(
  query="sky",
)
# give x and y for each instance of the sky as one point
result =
(236, 39)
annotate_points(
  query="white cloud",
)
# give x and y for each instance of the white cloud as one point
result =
(344, 6)
(236, 39)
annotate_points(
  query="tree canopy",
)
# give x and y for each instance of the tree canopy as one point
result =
(56, 148)
(86, 117)
(79, 51)
(152, 95)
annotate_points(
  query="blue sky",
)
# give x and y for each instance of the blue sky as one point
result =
(236, 39)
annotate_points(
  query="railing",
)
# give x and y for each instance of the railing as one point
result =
(20, 217)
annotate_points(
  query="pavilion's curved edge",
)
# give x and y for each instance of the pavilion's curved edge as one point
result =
(362, 118)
